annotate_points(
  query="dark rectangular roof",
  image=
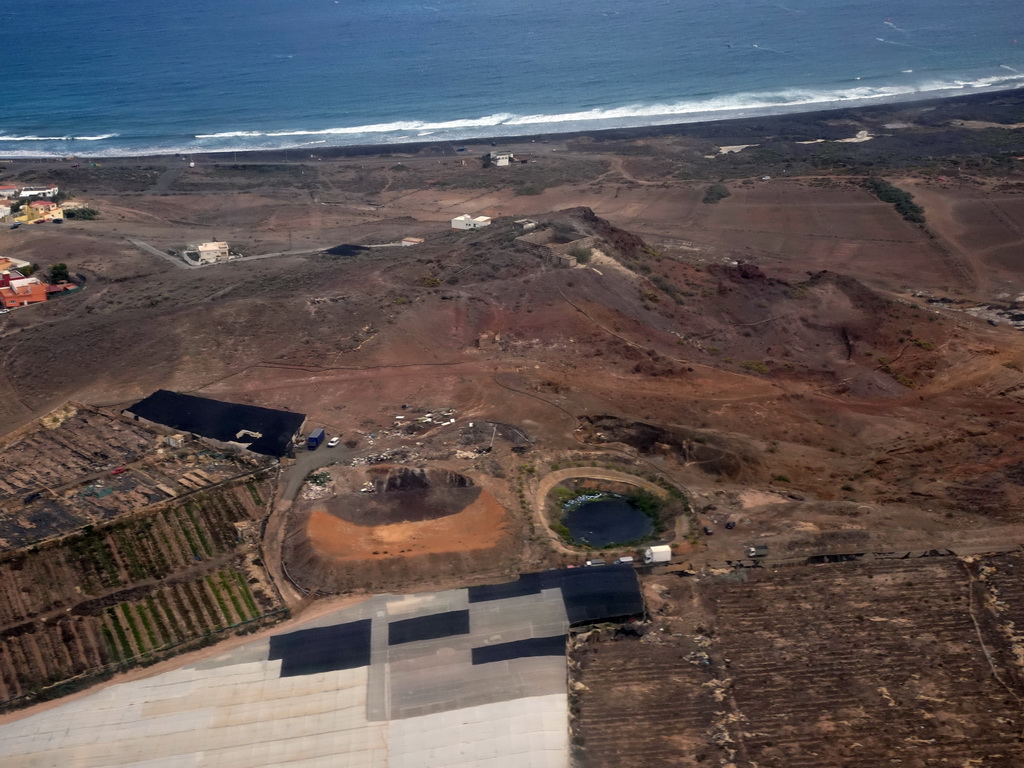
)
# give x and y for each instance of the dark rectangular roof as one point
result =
(429, 627)
(222, 421)
(519, 649)
(322, 649)
(590, 594)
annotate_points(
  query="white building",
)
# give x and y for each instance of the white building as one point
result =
(501, 158)
(49, 190)
(5, 211)
(210, 253)
(8, 191)
(465, 221)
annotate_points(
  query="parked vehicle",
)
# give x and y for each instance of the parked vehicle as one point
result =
(659, 553)
(333, 442)
(624, 560)
(596, 562)
(315, 438)
(119, 470)
(708, 530)
(730, 524)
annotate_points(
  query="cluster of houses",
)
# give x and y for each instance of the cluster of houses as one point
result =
(19, 290)
(40, 205)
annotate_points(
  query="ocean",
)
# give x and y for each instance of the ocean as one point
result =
(132, 77)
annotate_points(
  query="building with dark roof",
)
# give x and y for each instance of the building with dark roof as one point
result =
(266, 431)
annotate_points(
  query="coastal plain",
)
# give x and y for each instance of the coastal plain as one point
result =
(796, 358)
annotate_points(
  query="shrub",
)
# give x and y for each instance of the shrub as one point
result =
(714, 193)
(757, 366)
(582, 253)
(85, 214)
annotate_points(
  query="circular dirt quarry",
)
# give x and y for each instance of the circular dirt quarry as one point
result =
(387, 526)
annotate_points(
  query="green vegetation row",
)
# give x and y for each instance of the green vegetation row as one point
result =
(177, 613)
(902, 201)
(99, 559)
(79, 650)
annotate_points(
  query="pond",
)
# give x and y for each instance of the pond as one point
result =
(605, 521)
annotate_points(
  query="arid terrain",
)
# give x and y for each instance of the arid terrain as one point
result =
(835, 665)
(796, 358)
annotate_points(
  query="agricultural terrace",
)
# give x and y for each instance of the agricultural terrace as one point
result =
(912, 662)
(131, 592)
(80, 466)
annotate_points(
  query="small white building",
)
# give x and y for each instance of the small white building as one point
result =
(465, 221)
(526, 224)
(5, 211)
(501, 158)
(8, 191)
(210, 253)
(49, 190)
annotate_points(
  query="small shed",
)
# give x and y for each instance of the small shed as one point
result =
(501, 158)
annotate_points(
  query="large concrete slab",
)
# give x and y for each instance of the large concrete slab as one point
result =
(420, 703)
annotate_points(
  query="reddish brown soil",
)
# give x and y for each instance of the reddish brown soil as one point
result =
(846, 393)
(842, 665)
(479, 526)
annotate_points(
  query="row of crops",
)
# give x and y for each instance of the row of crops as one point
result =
(130, 593)
(98, 560)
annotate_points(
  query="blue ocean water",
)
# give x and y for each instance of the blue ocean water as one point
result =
(109, 77)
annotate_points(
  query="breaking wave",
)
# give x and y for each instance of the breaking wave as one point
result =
(891, 89)
(639, 114)
(101, 137)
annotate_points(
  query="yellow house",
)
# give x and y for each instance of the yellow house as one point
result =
(38, 211)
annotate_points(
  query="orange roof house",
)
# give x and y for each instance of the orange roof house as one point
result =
(22, 292)
(42, 205)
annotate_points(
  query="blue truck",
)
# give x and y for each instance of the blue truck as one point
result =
(315, 438)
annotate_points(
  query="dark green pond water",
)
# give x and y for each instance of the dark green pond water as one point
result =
(607, 521)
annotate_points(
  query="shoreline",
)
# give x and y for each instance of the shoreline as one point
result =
(780, 126)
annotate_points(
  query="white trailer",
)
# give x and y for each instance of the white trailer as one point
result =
(659, 553)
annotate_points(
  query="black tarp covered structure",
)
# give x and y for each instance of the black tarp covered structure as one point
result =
(594, 594)
(222, 421)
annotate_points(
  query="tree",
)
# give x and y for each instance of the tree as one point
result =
(59, 273)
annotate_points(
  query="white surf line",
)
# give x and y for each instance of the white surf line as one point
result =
(771, 50)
